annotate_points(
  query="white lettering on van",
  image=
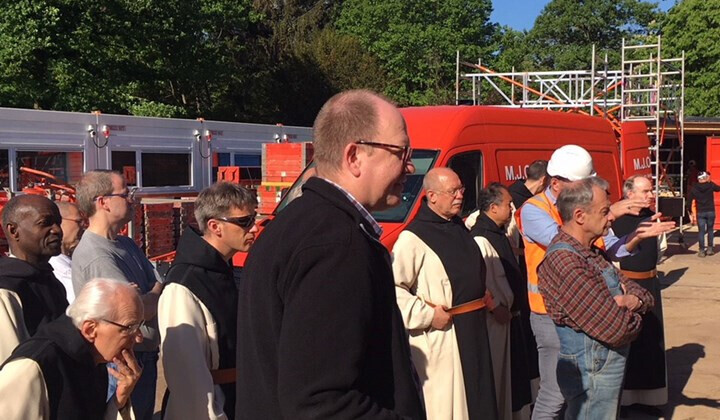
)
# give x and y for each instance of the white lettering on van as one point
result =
(512, 175)
(641, 163)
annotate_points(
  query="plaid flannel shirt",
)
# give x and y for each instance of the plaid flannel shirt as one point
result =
(576, 295)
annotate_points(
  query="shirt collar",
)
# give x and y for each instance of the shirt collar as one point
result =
(363, 211)
(550, 195)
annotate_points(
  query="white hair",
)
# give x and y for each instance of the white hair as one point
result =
(97, 300)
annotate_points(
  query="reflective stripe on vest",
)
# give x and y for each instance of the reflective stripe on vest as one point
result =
(534, 253)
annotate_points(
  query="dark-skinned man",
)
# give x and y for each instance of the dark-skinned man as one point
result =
(30, 295)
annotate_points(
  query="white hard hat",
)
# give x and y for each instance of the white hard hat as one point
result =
(571, 162)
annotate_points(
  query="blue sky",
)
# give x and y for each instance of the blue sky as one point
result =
(521, 14)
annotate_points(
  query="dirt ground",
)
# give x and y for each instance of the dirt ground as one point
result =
(691, 305)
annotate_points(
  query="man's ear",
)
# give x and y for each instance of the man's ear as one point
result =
(579, 215)
(88, 329)
(351, 159)
(12, 231)
(213, 226)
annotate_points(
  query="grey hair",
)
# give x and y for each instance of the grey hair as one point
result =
(219, 199)
(578, 194)
(94, 184)
(629, 184)
(95, 300)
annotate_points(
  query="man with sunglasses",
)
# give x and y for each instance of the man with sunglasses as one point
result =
(319, 331)
(73, 225)
(105, 198)
(197, 312)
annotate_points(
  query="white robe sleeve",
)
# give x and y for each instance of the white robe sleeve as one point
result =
(12, 323)
(23, 395)
(185, 354)
(495, 279)
(408, 257)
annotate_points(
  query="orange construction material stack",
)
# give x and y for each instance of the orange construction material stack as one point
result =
(282, 164)
(160, 228)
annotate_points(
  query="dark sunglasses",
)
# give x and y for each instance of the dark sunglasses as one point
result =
(405, 151)
(245, 222)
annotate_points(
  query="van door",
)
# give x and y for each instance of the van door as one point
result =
(635, 149)
(468, 166)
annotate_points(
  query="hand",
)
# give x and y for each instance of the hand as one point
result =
(127, 373)
(441, 319)
(654, 227)
(502, 315)
(630, 302)
(629, 206)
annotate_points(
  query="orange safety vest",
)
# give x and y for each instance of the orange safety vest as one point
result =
(535, 253)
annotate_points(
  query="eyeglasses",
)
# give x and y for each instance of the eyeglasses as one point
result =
(453, 192)
(126, 329)
(406, 151)
(129, 195)
(245, 222)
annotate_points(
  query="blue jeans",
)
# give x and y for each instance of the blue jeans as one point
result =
(706, 225)
(590, 376)
(143, 396)
(549, 402)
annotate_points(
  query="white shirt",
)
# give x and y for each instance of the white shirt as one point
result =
(62, 269)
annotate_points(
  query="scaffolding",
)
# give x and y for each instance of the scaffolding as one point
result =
(648, 87)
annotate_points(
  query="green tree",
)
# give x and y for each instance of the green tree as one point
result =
(693, 26)
(565, 31)
(416, 40)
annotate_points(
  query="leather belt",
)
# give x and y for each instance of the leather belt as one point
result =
(223, 376)
(639, 275)
(473, 305)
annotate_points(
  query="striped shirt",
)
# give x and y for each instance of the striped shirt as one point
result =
(577, 296)
(363, 211)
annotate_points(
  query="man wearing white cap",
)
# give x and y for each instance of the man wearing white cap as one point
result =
(539, 223)
(702, 193)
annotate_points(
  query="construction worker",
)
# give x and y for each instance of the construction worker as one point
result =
(539, 223)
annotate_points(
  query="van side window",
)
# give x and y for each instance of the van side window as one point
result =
(468, 166)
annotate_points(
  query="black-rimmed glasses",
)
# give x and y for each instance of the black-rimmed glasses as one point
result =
(245, 222)
(127, 329)
(405, 150)
(129, 195)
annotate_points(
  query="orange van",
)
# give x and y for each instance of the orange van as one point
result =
(485, 144)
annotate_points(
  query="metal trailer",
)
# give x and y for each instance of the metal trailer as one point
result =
(159, 156)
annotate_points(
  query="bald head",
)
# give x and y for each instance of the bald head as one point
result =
(437, 177)
(345, 118)
(18, 207)
(445, 192)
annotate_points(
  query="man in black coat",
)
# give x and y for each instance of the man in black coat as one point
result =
(319, 332)
(29, 292)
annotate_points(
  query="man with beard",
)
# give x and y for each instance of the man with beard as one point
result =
(73, 225)
(596, 310)
(108, 203)
(30, 295)
(61, 372)
(645, 379)
(508, 338)
(319, 331)
(440, 286)
(197, 312)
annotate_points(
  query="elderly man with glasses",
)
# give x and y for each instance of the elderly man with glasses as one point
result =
(198, 308)
(440, 287)
(60, 373)
(107, 201)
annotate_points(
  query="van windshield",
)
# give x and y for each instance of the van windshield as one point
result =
(423, 161)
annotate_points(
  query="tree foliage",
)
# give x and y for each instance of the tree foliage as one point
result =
(565, 31)
(416, 41)
(693, 26)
